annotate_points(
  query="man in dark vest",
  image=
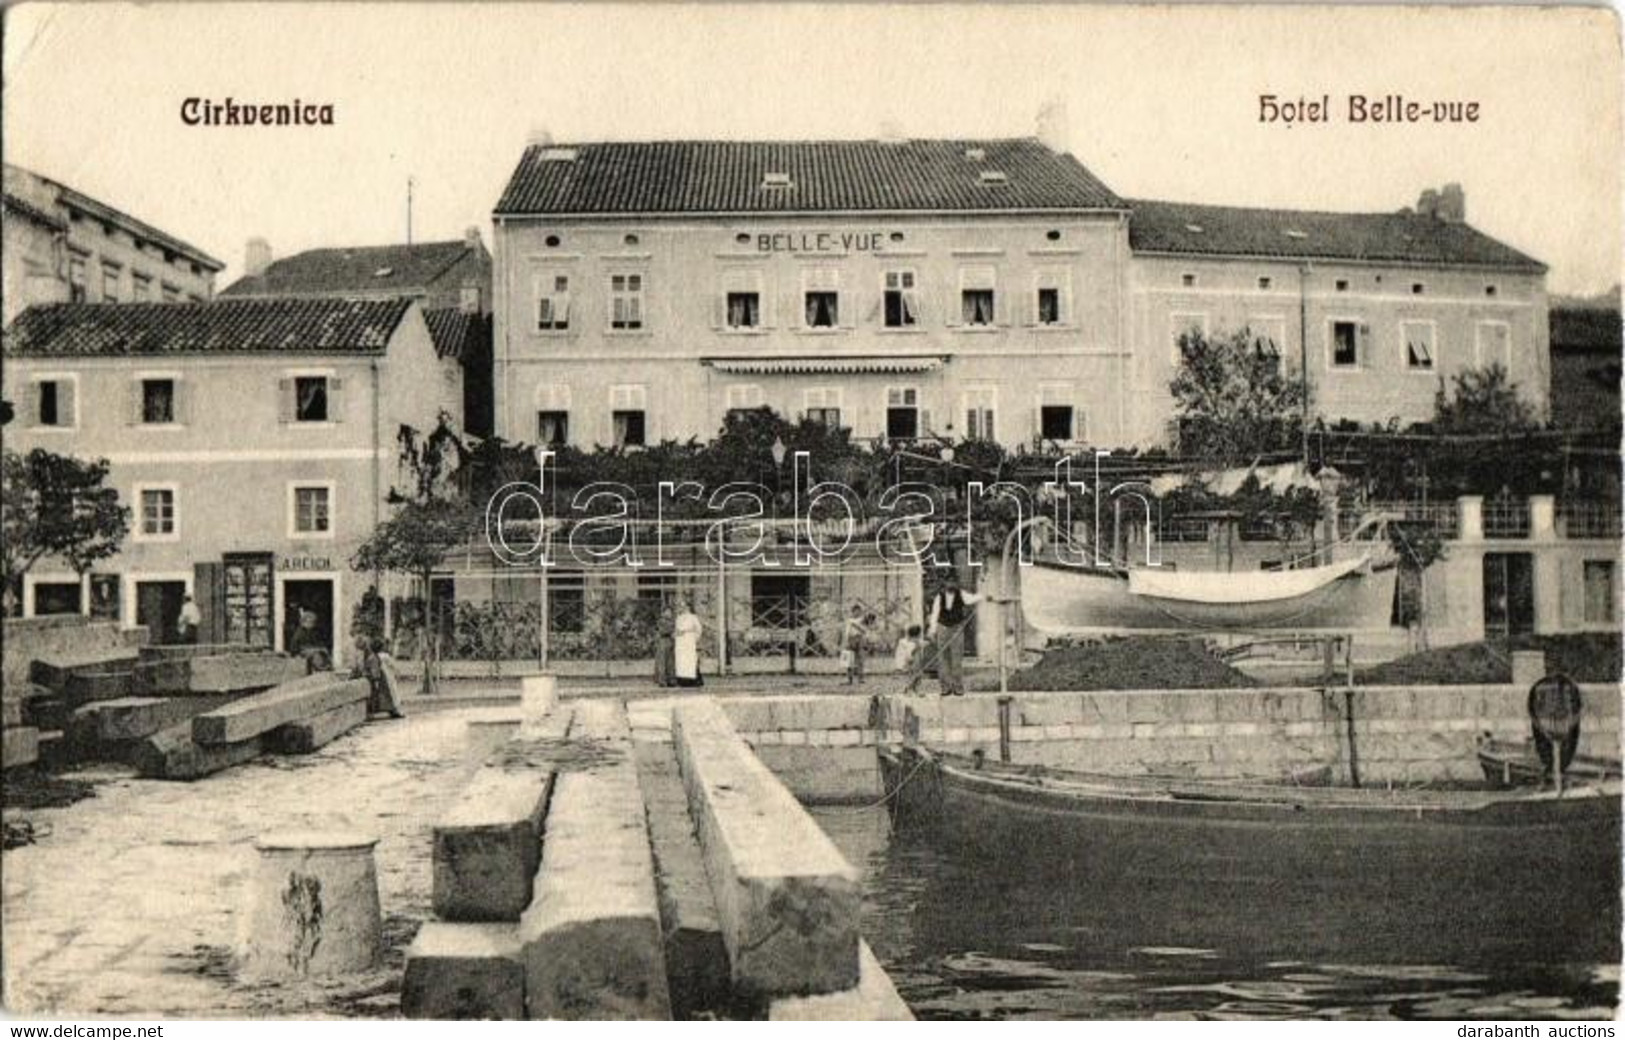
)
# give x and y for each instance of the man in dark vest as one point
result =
(950, 613)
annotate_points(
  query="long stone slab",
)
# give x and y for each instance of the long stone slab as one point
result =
(592, 933)
(132, 718)
(172, 754)
(86, 687)
(229, 672)
(53, 671)
(291, 702)
(696, 956)
(488, 845)
(786, 897)
(873, 999)
(182, 651)
(19, 746)
(466, 972)
(307, 735)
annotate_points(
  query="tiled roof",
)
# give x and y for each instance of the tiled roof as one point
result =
(459, 334)
(221, 327)
(659, 177)
(364, 270)
(1402, 237)
(15, 204)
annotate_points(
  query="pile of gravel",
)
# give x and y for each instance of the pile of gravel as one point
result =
(1131, 663)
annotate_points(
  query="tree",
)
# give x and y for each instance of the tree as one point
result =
(57, 505)
(1235, 400)
(1485, 401)
(416, 541)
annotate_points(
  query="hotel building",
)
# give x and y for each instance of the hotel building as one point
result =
(951, 289)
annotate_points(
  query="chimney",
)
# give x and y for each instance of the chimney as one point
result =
(891, 131)
(471, 238)
(1448, 204)
(256, 258)
(1452, 204)
(1052, 125)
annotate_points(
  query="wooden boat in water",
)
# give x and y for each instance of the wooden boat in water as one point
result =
(1511, 763)
(1461, 876)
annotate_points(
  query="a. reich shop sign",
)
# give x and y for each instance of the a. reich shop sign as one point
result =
(820, 241)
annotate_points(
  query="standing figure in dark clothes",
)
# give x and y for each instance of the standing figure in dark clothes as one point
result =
(1554, 717)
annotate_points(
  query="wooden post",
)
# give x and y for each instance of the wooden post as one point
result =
(1004, 728)
(722, 615)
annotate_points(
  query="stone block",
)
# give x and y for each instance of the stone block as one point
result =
(307, 735)
(85, 687)
(488, 846)
(873, 999)
(748, 714)
(591, 936)
(969, 711)
(843, 712)
(786, 898)
(1144, 707)
(47, 712)
(1238, 705)
(1048, 709)
(161, 676)
(845, 737)
(235, 672)
(181, 651)
(467, 972)
(53, 670)
(132, 718)
(1104, 708)
(291, 702)
(172, 754)
(19, 746)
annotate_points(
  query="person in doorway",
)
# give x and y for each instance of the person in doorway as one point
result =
(370, 665)
(686, 646)
(854, 636)
(189, 622)
(665, 648)
(308, 643)
(950, 613)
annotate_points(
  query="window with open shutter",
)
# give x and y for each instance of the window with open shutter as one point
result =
(979, 406)
(1052, 304)
(903, 419)
(1417, 337)
(552, 301)
(284, 399)
(740, 302)
(822, 404)
(900, 301)
(1056, 414)
(821, 298)
(335, 399)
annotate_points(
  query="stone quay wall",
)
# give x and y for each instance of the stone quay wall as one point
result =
(822, 747)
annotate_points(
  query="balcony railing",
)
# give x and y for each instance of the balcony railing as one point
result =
(1506, 517)
(1588, 519)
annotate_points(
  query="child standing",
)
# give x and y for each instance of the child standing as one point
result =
(853, 636)
(906, 658)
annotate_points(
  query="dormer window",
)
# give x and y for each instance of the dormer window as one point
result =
(1195, 229)
(1295, 233)
(976, 154)
(775, 179)
(994, 177)
(558, 155)
(383, 272)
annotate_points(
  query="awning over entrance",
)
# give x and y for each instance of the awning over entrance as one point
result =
(790, 366)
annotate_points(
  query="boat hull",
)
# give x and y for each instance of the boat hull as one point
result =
(1061, 600)
(1458, 885)
(1509, 764)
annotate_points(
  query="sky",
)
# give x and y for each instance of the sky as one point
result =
(1160, 102)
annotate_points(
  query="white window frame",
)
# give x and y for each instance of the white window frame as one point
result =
(638, 297)
(823, 279)
(114, 272)
(31, 580)
(293, 375)
(128, 580)
(744, 281)
(34, 380)
(561, 300)
(971, 278)
(139, 533)
(553, 397)
(910, 294)
(631, 397)
(294, 487)
(904, 390)
(1059, 279)
(1405, 365)
(824, 397)
(1479, 361)
(1058, 395)
(984, 400)
(176, 415)
(1332, 321)
(1176, 326)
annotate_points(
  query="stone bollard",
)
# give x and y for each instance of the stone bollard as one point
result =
(537, 696)
(485, 736)
(1528, 668)
(314, 906)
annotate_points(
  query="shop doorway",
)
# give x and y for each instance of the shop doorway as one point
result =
(1509, 594)
(313, 595)
(158, 606)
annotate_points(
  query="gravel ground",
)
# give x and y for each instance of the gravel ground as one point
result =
(127, 904)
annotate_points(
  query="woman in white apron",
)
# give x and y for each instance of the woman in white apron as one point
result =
(686, 632)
